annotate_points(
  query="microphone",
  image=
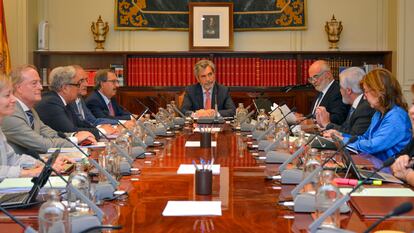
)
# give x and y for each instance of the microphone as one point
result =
(121, 151)
(314, 226)
(274, 125)
(27, 229)
(110, 178)
(305, 202)
(399, 210)
(294, 155)
(81, 222)
(137, 139)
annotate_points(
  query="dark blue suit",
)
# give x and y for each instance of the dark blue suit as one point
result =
(193, 99)
(59, 117)
(99, 109)
(89, 117)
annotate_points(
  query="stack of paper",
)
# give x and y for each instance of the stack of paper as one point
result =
(25, 184)
(192, 208)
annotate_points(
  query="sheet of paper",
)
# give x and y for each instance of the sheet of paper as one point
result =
(192, 208)
(77, 156)
(190, 169)
(197, 143)
(23, 184)
(213, 130)
(380, 192)
(66, 150)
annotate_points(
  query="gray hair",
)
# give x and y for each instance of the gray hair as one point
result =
(350, 78)
(100, 77)
(17, 73)
(203, 64)
(60, 76)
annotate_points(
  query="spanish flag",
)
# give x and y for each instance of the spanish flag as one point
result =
(5, 65)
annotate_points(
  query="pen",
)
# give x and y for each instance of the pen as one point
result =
(195, 165)
(202, 163)
(372, 182)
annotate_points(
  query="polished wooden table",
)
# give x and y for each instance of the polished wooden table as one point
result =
(249, 202)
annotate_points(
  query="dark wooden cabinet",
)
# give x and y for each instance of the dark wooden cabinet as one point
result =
(298, 94)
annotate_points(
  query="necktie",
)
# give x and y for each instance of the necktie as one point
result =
(207, 104)
(29, 114)
(111, 109)
(352, 110)
(317, 102)
(80, 110)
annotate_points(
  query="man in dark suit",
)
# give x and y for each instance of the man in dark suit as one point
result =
(53, 109)
(101, 102)
(329, 96)
(359, 116)
(202, 97)
(79, 109)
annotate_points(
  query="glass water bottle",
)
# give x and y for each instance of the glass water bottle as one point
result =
(326, 195)
(53, 215)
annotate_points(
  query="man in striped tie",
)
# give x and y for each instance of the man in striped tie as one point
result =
(207, 95)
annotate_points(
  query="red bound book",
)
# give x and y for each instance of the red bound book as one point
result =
(138, 70)
(129, 72)
(219, 69)
(146, 69)
(137, 63)
(246, 71)
(174, 71)
(165, 74)
(241, 74)
(275, 69)
(144, 65)
(249, 77)
(282, 73)
(168, 81)
(294, 75)
(257, 71)
(152, 72)
(180, 73)
(236, 74)
(224, 71)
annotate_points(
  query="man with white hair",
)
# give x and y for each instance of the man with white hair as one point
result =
(359, 116)
(54, 110)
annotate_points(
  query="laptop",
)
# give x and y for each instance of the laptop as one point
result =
(27, 199)
(362, 174)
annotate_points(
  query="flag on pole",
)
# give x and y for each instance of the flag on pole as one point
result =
(5, 65)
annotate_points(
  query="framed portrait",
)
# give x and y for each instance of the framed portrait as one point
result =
(210, 26)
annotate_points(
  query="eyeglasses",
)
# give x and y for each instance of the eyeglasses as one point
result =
(74, 84)
(78, 84)
(316, 76)
(115, 81)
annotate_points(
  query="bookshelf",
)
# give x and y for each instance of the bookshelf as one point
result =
(279, 75)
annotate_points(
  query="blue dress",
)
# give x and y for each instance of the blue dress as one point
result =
(386, 136)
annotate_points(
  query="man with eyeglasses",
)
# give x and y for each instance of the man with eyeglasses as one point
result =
(329, 96)
(82, 112)
(202, 97)
(101, 101)
(54, 110)
(24, 130)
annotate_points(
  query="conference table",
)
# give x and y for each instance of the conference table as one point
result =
(249, 202)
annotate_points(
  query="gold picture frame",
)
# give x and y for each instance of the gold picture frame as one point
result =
(210, 26)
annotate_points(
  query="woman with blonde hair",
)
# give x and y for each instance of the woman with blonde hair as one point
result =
(12, 164)
(390, 129)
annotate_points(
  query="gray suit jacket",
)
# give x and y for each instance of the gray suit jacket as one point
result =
(21, 136)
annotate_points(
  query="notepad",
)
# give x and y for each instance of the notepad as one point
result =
(192, 208)
(190, 169)
(380, 192)
(66, 150)
(197, 144)
(25, 184)
(213, 130)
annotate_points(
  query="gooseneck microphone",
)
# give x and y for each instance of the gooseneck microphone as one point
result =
(399, 210)
(121, 151)
(314, 226)
(274, 125)
(297, 152)
(27, 229)
(113, 182)
(308, 179)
